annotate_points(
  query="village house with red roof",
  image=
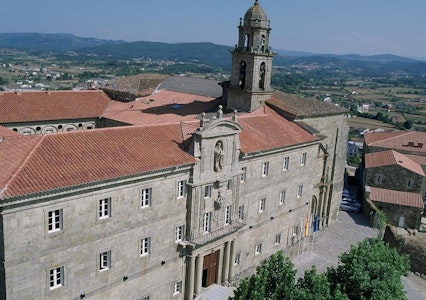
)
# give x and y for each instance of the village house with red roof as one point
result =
(164, 196)
(394, 176)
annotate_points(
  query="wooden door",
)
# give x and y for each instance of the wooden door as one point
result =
(210, 266)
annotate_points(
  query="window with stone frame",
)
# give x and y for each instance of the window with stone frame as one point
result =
(56, 277)
(104, 208)
(262, 205)
(105, 261)
(179, 233)
(146, 195)
(265, 169)
(145, 246)
(207, 191)
(281, 199)
(54, 222)
(286, 163)
(300, 191)
(303, 159)
(181, 189)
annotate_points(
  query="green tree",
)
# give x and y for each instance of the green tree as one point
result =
(408, 124)
(370, 270)
(3, 81)
(314, 286)
(274, 279)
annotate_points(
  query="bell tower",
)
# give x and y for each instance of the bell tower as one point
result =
(250, 84)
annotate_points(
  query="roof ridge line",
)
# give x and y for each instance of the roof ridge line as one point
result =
(389, 138)
(27, 158)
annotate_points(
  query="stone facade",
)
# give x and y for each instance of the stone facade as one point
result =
(384, 177)
(31, 251)
(46, 127)
(169, 232)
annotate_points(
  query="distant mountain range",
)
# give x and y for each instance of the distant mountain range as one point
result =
(202, 53)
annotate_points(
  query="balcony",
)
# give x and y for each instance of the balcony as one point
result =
(202, 238)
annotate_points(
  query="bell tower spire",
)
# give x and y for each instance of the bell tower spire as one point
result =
(250, 84)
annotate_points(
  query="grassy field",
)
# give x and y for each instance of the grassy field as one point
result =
(358, 122)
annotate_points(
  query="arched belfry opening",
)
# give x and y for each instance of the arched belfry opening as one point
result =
(250, 84)
(262, 76)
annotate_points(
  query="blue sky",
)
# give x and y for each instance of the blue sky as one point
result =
(363, 27)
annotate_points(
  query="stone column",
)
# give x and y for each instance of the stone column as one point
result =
(220, 267)
(189, 290)
(225, 272)
(199, 275)
(231, 260)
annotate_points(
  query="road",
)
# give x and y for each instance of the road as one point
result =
(336, 239)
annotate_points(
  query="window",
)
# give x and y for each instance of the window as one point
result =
(179, 233)
(56, 278)
(177, 287)
(303, 159)
(258, 249)
(55, 220)
(277, 239)
(146, 197)
(237, 258)
(286, 163)
(206, 222)
(208, 191)
(105, 261)
(262, 205)
(244, 174)
(265, 169)
(104, 208)
(229, 187)
(181, 189)
(282, 197)
(228, 215)
(241, 212)
(145, 246)
(300, 191)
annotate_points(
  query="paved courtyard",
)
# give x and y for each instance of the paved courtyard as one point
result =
(350, 228)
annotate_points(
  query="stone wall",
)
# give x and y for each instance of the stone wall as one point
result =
(413, 245)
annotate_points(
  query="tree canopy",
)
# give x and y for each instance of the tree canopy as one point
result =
(370, 270)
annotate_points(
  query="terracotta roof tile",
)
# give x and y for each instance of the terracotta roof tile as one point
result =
(14, 151)
(58, 105)
(412, 141)
(75, 158)
(390, 157)
(270, 131)
(396, 197)
(162, 107)
(7, 132)
(298, 107)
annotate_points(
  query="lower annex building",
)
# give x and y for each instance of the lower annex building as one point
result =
(172, 192)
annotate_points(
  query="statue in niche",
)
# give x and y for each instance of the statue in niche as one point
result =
(218, 157)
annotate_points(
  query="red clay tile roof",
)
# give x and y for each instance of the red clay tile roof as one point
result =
(50, 162)
(270, 131)
(298, 107)
(390, 157)
(58, 105)
(162, 107)
(412, 141)
(396, 197)
(7, 132)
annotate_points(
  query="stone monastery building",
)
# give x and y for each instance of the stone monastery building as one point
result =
(164, 196)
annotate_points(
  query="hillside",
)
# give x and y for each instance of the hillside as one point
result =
(53, 42)
(203, 53)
